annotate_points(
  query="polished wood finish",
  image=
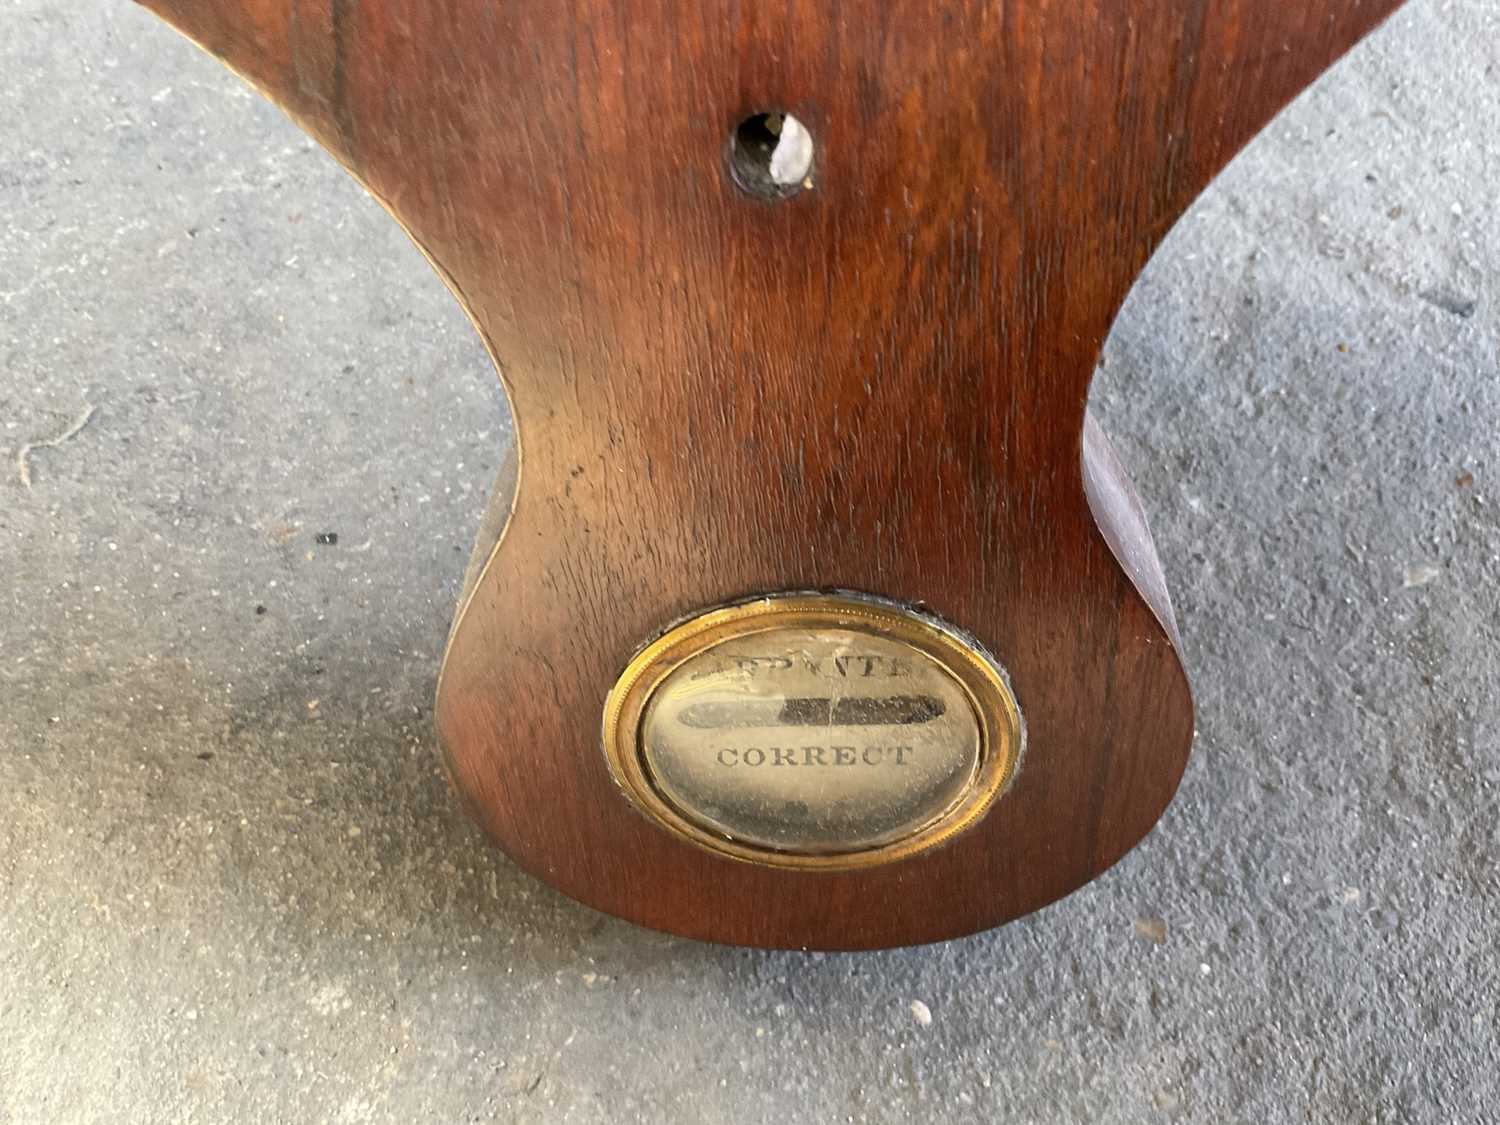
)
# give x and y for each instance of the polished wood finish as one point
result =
(878, 384)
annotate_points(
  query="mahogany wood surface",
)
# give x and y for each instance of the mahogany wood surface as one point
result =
(877, 384)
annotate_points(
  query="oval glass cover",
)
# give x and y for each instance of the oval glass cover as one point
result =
(812, 740)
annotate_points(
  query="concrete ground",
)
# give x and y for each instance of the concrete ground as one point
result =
(233, 885)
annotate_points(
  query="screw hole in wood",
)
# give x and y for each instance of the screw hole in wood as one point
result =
(771, 155)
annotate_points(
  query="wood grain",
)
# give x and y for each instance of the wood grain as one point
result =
(878, 384)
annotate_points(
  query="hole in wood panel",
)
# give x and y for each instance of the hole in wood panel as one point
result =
(771, 155)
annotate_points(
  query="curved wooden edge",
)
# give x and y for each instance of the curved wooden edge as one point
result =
(491, 530)
(1122, 520)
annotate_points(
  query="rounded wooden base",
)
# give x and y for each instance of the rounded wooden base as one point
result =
(1109, 727)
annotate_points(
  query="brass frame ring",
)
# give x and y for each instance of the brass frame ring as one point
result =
(1001, 730)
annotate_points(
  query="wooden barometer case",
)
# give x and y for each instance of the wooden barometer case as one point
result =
(813, 610)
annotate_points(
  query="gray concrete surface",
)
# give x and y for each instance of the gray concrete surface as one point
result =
(233, 886)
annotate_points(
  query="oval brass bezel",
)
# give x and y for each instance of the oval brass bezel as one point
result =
(1001, 732)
